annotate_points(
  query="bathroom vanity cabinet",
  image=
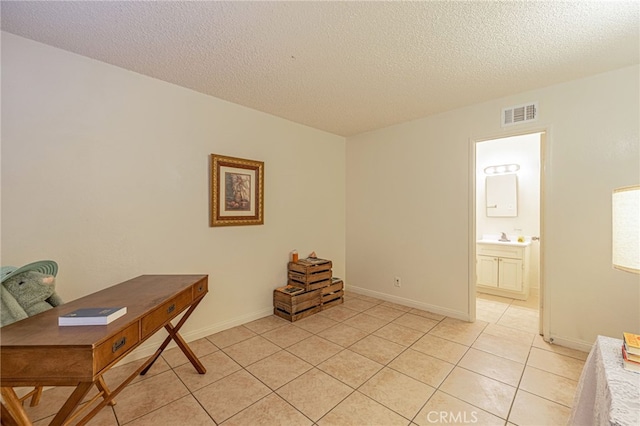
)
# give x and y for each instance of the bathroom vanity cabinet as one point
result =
(503, 269)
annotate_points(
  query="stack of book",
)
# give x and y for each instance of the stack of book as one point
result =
(631, 352)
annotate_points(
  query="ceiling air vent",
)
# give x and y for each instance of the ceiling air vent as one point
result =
(519, 114)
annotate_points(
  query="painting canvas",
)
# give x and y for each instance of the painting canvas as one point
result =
(237, 191)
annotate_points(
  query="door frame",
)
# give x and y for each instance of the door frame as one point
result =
(544, 167)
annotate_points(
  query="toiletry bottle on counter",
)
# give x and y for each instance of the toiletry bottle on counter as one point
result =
(294, 256)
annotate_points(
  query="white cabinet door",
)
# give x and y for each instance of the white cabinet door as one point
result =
(487, 270)
(510, 274)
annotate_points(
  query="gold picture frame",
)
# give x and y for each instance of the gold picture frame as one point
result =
(237, 191)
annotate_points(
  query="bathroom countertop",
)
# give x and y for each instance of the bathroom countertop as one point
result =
(495, 239)
(505, 243)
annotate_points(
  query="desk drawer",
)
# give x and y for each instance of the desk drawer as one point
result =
(200, 289)
(166, 312)
(117, 345)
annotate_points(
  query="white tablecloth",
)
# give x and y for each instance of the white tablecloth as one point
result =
(607, 394)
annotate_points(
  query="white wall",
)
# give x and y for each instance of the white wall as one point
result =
(106, 172)
(523, 150)
(409, 204)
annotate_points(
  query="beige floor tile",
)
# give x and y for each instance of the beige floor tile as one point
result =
(492, 366)
(490, 311)
(504, 347)
(424, 368)
(397, 391)
(551, 362)
(397, 306)
(443, 349)
(427, 314)
(143, 397)
(488, 394)
(315, 323)
(200, 347)
(549, 386)
(531, 410)
(53, 399)
(521, 319)
(358, 304)
(231, 336)
(488, 315)
(342, 335)
(539, 342)
(265, 324)
(491, 297)
(185, 411)
(520, 336)
(118, 374)
(443, 409)
(278, 369)
(218, 365)
(50, 402)
(249, 351)
(358, 410)
(377, 349)
(315, 349)
(370, 299)
(416, 322)
(492, 305)
(314, 393)
(384, 313)
(287, 335)
(106, 417)
(458, 331)
(231, 395)
(338, 313)
(269, 411)
(350, 368)
(365, 322)
(533, 302)
(399, 334)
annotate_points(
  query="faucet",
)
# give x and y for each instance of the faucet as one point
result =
(504, 238)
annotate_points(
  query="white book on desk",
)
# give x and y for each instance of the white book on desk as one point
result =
(92, 316)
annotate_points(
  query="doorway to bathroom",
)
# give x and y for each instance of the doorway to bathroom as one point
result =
(507, 243)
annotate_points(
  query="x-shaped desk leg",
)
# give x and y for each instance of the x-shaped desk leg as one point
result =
(173, 335)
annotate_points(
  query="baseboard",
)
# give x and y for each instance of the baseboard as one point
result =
(580, 345)
(411, 303)
(147, 349)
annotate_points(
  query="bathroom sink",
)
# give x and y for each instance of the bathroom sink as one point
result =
(505, 243)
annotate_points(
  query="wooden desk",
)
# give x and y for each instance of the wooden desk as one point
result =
(37, 352)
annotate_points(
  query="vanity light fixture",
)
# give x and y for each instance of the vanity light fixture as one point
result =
(626, 228)
(504, 168)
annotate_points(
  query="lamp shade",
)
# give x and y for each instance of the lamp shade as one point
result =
(626, 228)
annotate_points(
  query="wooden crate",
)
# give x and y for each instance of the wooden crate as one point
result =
(333, 294)
(333, 303)
(295, 306)
(310, 266)
(312, 283)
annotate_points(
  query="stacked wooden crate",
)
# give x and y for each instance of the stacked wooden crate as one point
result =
(310, 289)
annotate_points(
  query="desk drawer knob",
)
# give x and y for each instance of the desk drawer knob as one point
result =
(171, 308)
(118, 344)
(200, 288)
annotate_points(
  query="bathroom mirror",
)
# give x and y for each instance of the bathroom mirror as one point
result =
(502, 195)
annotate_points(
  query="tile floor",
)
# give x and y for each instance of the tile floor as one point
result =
(366, 362)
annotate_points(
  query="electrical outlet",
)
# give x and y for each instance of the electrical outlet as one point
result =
(396, 281)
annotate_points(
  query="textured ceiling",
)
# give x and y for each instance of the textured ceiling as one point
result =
(343, 67)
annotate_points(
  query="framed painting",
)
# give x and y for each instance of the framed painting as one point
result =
(237, 191)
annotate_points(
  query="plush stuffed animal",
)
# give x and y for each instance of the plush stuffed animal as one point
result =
(28, 291)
